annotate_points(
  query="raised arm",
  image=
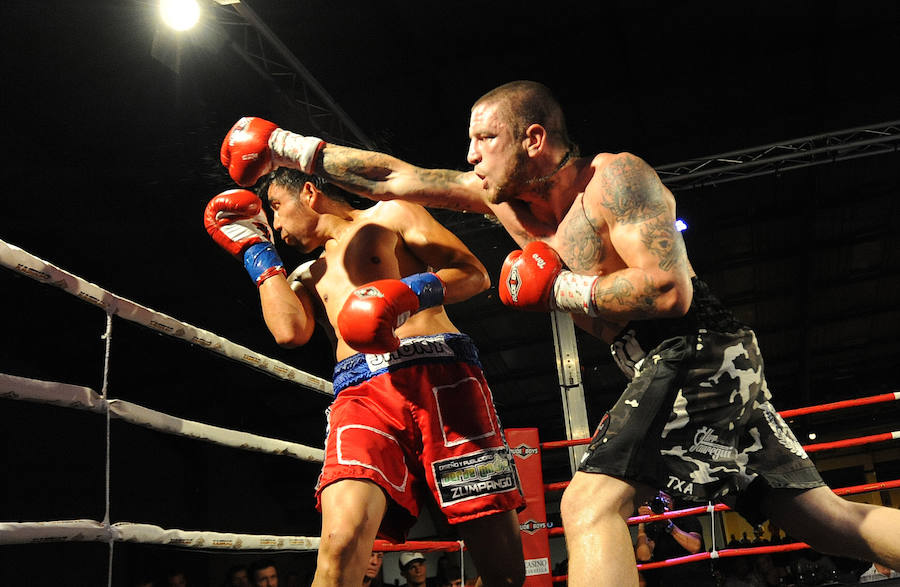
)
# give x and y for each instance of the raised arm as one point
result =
(254, 147)
(236, 222)
(383, 177)
(461, 272)
(288, 312)
(640, 214)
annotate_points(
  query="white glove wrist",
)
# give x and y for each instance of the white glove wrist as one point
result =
(247, 228)
(292, 150)
(574, 293)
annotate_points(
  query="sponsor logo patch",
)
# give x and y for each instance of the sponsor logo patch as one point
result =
(705, 443)
(473, 475)
(523, 451)
(531, 526)
(537, 566)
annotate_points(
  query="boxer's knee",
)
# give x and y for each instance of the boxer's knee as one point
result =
(590, 498)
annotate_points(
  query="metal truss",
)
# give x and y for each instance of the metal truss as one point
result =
(262, 49)
(776, 158)
(271, 58)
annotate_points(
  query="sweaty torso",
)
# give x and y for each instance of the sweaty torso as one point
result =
(371, 248)
(581, 237)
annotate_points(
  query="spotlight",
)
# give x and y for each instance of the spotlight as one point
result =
(179, 14)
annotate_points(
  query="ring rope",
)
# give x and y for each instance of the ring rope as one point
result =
(94, 531)
(726, 552)
(850, 403)
(858, 441)
(73, 396)
(42, 271)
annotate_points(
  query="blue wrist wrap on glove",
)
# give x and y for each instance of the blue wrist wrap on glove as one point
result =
(259, 258)
(428, 287)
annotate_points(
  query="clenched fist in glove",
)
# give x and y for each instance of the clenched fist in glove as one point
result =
(534, 279)
(372, 312)
(236, 221)
(254, 147)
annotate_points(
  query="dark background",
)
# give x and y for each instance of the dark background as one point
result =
(110, 157)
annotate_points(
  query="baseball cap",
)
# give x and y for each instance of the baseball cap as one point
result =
(408, 557)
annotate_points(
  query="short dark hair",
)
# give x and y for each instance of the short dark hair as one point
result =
(523, 103)
(258, 565)
(293, 180)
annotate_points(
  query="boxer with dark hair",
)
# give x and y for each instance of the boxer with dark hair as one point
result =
(413, 413)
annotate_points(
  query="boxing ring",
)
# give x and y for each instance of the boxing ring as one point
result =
(525, 444)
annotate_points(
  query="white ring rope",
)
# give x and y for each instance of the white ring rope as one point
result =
(73, 396)
(27, 264)
(93, 531)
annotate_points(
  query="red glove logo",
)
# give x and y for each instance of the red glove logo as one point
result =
(513, 283)
(368, 292)
(527, 277)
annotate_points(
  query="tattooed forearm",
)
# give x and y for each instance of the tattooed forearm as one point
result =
(661, 239)
(383, 177)
(624, 296)
(630, 192)
(354, 169)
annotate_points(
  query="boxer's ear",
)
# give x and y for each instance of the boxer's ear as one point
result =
(535, 140)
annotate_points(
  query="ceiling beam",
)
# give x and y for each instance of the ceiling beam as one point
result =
(270, 57)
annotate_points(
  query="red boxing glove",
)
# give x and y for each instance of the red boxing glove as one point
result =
(254, 147)
(372, 312)
(245, 150)
(236, 221)
(527, 277)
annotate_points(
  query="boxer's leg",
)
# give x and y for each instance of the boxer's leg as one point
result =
(834, 525)
(594, 508)
(495, 544)
(352, 510)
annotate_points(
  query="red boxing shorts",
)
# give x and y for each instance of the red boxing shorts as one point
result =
(416, 420)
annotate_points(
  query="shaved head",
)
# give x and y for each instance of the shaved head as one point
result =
(523, 103)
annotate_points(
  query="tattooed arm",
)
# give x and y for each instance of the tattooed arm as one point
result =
(381, 177)
(640, 214)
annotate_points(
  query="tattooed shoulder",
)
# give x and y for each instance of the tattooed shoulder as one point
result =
(630, 190)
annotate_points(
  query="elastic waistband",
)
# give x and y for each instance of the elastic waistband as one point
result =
(416, 350)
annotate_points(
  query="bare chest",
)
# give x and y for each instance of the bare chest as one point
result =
(582, 244)
(367, 253)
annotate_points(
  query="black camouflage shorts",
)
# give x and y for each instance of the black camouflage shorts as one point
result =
(696, 420)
